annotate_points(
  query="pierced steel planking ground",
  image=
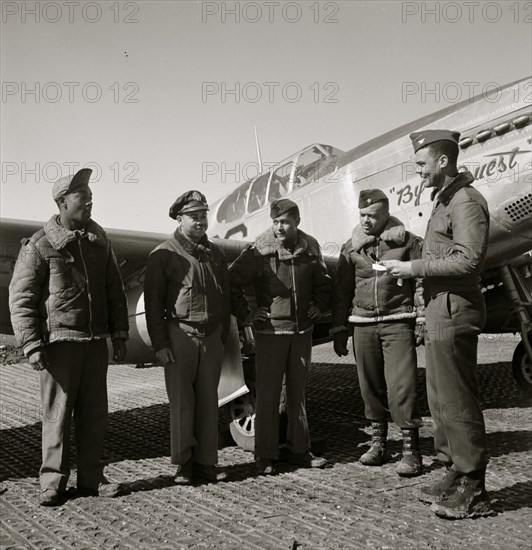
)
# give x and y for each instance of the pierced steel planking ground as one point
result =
(344, 506)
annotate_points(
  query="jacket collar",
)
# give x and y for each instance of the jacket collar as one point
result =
(267, 243)
(59, 236)
(444, 195)
(194, 249)
(394, 231)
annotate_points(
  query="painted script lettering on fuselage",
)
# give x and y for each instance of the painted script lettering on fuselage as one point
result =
(490, 171)
(499, 163)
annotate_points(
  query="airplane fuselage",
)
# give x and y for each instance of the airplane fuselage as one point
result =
(495, 145)
(325, 182)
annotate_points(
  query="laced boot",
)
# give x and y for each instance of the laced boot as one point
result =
(375, 455)
(469, 500)
(411, 462)
(441, 490)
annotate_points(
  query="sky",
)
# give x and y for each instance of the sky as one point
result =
(162, 97)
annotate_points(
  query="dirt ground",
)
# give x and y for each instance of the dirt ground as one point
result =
(345, 506)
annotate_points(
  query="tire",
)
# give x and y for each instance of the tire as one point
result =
(242, 416)
(242, 424)
(522, 368)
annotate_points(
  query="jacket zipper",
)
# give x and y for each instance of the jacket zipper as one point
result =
(377, 281)
(295, 292)
(203, 267)
(88, 286)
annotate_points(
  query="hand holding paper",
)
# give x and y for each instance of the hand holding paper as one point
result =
(396, 268)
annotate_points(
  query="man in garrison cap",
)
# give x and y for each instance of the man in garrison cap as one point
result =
(66, 297)
(453, 256)
(292, 290)
(186, 293)
(381, 316)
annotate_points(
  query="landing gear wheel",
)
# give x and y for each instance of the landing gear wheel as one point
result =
(242, 426)
(522, 368)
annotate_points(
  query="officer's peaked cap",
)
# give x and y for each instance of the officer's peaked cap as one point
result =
(191, 201)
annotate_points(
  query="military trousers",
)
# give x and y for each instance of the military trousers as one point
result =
(386, 363)
(453, 323)
(276, 356)
(192, 388)
(74, 383)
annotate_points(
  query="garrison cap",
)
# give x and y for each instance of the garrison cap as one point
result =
(72, 183)
(278, 207)
(191, 201)
(371, 196)
(426, 137)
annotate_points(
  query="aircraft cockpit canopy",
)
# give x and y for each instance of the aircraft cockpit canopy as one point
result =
(306, 166)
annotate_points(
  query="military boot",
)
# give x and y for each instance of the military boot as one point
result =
(411, 462)
(469, 500)
(375, 455)
(441, 490)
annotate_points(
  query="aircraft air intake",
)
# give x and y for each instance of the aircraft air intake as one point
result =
(519, 209)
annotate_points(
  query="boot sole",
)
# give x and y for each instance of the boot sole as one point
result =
(372, 463)
(199, 477)
(53, 501)
(59, 498)
(316, 465)
(111, 492)
(410, 474)
(204, 479)
(433, 499)
(480, 510)
(428, 499)
(182, 480)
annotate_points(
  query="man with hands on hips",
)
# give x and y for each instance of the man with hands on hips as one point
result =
(292, 289)
(454, 251)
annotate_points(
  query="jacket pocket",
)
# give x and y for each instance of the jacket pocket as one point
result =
(66, 281)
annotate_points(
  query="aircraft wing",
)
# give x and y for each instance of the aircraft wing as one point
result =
(132, 249)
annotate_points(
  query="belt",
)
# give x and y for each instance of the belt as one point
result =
(198, 329)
